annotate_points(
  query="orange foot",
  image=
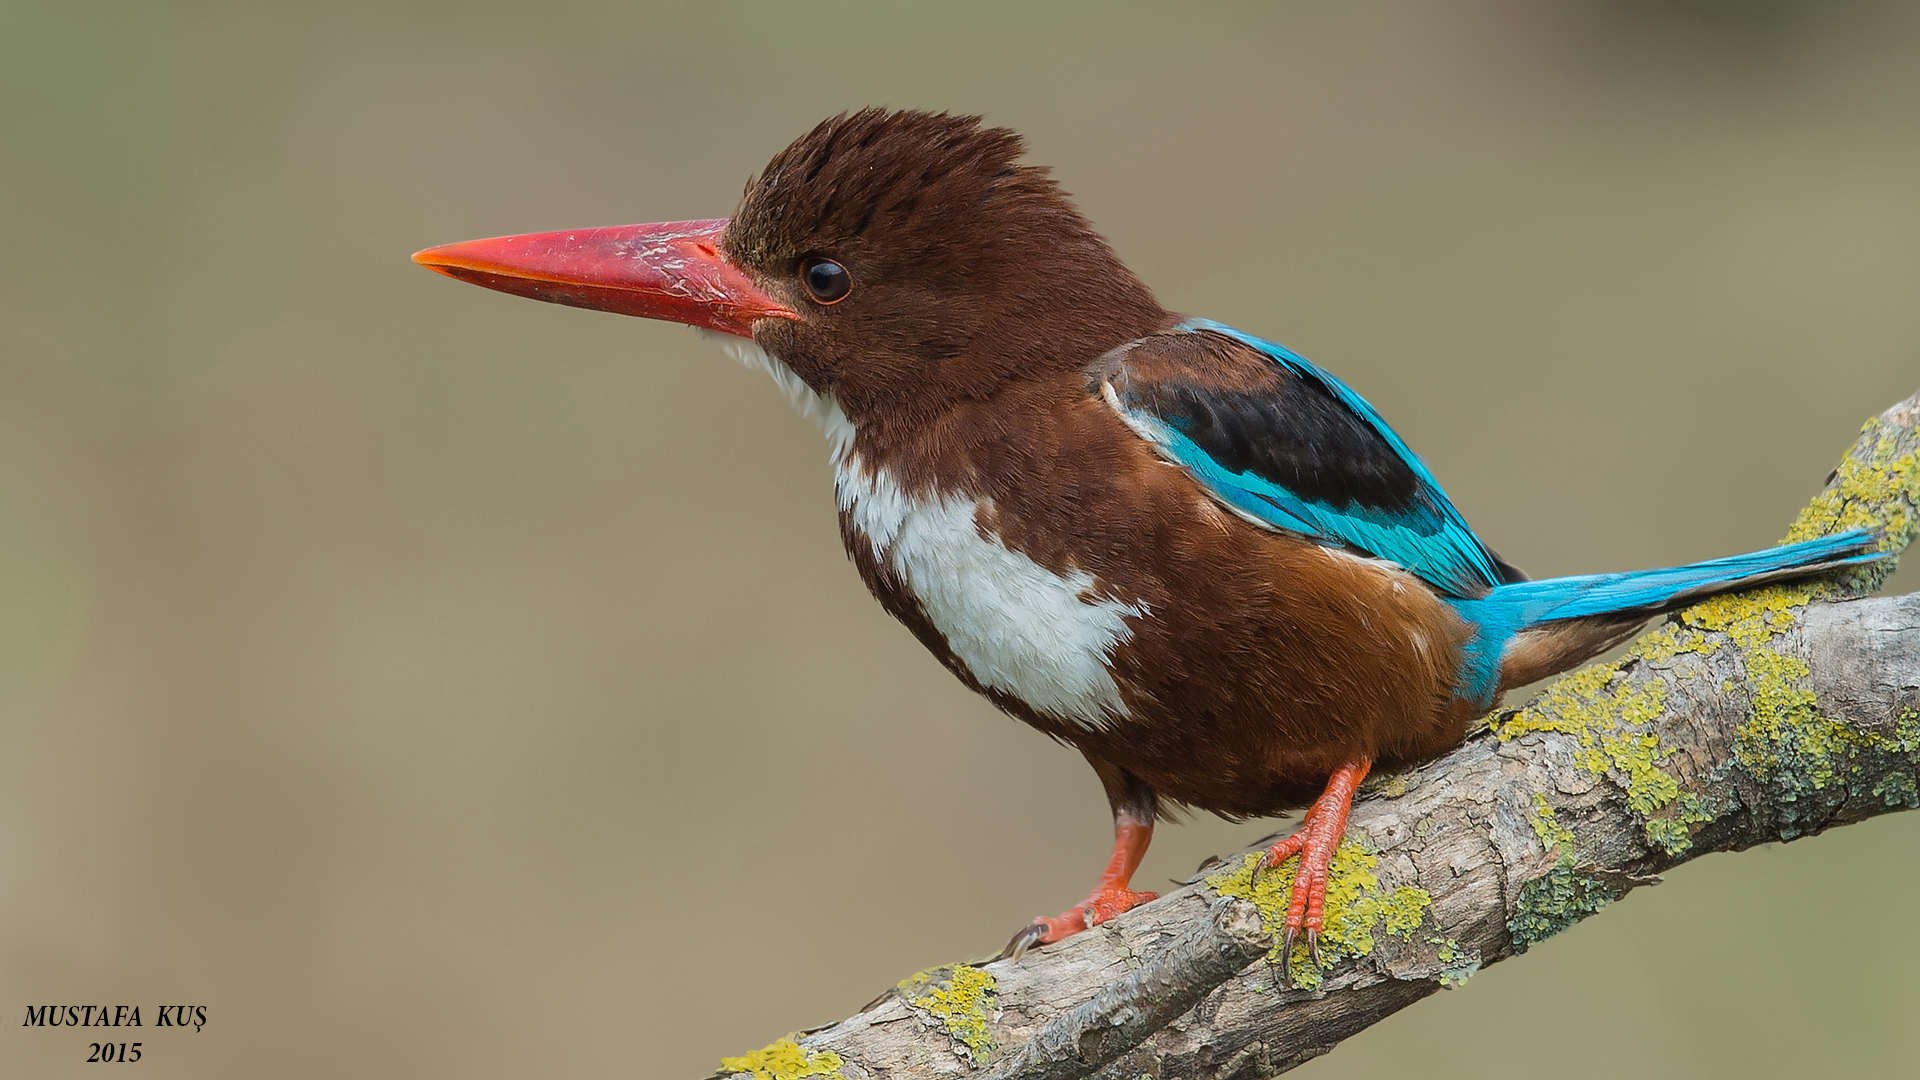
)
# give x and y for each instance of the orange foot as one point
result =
(1099, 906)
(1315, 842)
(1108, 899)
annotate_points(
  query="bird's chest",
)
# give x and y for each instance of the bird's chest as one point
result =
(1043, 636)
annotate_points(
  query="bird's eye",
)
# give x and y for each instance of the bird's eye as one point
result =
(826, 281)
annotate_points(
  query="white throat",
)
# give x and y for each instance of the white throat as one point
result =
(1017, 626)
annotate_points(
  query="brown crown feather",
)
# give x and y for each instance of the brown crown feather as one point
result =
(969, 270)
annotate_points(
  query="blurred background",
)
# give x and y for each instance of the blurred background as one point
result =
(429, 682)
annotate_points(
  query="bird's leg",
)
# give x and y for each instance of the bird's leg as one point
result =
(1132, 802)
(1315, 842)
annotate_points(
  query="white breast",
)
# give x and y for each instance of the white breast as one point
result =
(1018, 627)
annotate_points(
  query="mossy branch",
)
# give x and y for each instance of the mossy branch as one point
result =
(1753, 718)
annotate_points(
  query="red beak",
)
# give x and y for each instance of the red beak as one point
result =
(673, 270)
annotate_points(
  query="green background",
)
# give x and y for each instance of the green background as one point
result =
(433, 683)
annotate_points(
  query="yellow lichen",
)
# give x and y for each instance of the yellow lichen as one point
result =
(1877, 489)
(785, 1059)
(1389, 785)
(1356, 906)
(1606, 719)
(959, 996)
(1459, 963)
(1547, 827)
(1785, 740)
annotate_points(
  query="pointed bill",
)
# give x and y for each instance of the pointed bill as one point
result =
(671, 270)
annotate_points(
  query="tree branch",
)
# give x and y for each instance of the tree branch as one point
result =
(1748, 719)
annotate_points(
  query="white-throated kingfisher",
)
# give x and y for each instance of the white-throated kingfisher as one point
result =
(1188, 552)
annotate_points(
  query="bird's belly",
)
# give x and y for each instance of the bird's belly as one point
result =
(1015, 626)
(1248, 710)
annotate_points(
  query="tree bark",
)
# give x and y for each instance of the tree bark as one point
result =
(1753, 718)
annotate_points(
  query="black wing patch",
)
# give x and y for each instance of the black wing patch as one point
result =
(1265, 421)
(1286, 443)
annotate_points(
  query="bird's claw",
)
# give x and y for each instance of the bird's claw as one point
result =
(1286, 953)
(1279, 853)
(1030, 935)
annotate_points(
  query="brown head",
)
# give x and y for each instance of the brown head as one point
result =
(900, 261)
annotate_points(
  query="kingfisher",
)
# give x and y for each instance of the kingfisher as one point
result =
(1186, 551)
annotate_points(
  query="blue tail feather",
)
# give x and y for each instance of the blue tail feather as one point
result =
(1606, 594)
(1509, 609)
